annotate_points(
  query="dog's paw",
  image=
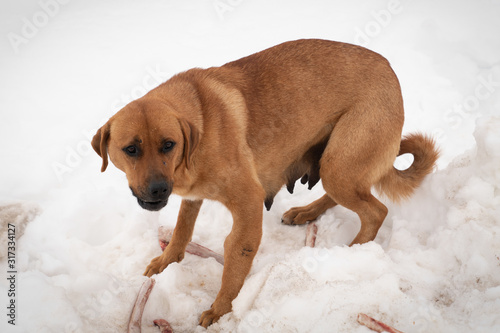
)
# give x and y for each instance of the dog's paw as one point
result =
(158, 264)
(208, 318)
(211, 316)
(298, 216)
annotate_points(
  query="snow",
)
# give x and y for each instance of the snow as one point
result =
(82, 242)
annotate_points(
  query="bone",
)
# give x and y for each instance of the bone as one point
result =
(165, 235)
(311, 232)
(163, 325)
(134, 324)
(375, 325)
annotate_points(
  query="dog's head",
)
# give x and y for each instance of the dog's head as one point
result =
(149, 141)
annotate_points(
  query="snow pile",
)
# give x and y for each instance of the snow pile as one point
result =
(435, 268)
(439, 272)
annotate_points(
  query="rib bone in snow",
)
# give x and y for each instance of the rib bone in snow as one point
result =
(165, 235)
(163, 325)
(375, 325)
(134, 324)
(311, 232)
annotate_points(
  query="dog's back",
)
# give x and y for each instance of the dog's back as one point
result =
(296, 92)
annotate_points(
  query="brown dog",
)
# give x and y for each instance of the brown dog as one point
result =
(306, 109)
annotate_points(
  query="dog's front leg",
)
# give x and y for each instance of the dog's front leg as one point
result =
(182, 236)
(240, 248)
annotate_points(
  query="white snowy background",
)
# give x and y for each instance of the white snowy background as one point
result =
(83, 242)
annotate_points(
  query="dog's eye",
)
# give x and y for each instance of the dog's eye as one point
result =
(167, 146)
(131, 150)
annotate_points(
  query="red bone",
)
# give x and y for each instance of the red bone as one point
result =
(134, 324)
(311, 232)
(165, 235)
(163, 325)
(375, 325)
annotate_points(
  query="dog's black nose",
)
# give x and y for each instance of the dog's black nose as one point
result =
(159, 190)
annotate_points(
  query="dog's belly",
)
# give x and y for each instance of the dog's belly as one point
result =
(293, 162)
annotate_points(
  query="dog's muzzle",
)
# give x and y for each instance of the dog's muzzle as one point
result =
(155, 197)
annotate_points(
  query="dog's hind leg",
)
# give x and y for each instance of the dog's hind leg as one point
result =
(362, 149)
(301, 215)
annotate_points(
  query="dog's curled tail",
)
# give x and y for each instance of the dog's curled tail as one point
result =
(397, 184)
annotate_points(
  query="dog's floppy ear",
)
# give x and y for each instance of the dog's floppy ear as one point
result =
(100, 144)
(191, 139)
